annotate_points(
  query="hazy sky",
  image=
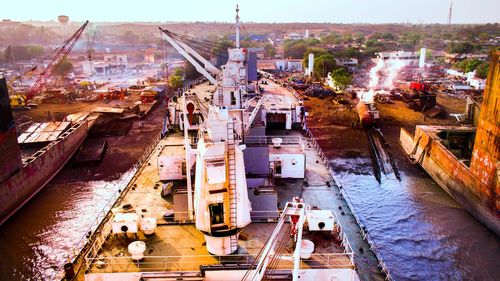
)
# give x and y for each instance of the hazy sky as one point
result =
(338, 11)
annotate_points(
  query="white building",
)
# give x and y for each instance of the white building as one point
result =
(350, 63)
(116, 59)
(400, 55)
(289, 65)
(293, 36)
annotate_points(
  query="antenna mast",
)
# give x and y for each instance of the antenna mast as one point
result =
(449, 14)
(237, 27)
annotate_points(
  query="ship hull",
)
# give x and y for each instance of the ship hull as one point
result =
(20, 187)
(451, 175)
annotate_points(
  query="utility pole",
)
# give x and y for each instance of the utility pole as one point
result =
(449, 14)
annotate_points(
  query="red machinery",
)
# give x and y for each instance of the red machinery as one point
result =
(59, 55)
(417, 86)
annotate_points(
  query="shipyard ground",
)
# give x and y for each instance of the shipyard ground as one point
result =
(122, 151)
(337, 128)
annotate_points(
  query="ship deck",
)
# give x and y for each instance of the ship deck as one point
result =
(177, 245)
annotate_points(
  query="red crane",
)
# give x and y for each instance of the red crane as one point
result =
(59, 55)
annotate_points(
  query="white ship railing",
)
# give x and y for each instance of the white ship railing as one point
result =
(193, 262)
(269, 139)
(364, 234)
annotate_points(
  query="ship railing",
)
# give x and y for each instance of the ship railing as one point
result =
(95, 235)
(186, 87)
(269, 139)
(309, 134)
(193, 262)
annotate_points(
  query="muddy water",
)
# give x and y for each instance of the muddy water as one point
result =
(35, 241)
(420, 231)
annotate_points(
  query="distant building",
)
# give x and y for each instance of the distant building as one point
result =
(291, 65)
(116, 59)
(293, 36)
(351, 64)
(110, 64)
(253, 37)
(455, 57)
(401, 55)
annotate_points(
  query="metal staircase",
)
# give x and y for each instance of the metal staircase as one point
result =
(221, 97)
(233, 205)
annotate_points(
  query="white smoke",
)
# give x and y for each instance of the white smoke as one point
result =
(374, 74)
(382, 75)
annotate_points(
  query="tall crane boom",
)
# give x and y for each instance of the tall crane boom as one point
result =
(207, 69)
(60, 54)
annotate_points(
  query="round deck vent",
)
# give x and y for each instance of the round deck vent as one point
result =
(277, 142)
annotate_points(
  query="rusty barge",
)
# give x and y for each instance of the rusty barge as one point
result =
(465, 160)
(25, 169)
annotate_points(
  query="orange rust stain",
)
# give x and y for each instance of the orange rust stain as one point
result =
(486, 154)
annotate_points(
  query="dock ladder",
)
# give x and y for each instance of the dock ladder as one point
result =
(233, 200)
(221, 97)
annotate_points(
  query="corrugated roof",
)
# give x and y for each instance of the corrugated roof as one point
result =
(43, 132)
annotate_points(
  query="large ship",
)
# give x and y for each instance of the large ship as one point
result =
(29, 162)
(237, 189)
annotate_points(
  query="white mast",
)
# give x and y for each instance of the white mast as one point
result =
(237, 27)
(187, 145)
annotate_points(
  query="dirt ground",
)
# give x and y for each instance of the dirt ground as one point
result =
(339, 133)
(122, 151)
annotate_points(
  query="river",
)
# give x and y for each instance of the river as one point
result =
(419, 230)
(37, 239)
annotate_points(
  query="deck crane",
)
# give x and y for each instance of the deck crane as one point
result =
(295, 212)
(58, 56)
(207, 69)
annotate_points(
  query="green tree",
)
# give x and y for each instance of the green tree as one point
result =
(269, 51)
(359, 38)
(317, 51)
(191, 72)
(323, 64)
(341, 77)
(460, 48)
(35, 51)
(175, 81)
(467, 65)
(179, 71)
(331, 38)
(8, 56)
(349, 52)
(294, 49)
(482, 70)
(63, 67)
(312, 42)
(347, 38)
